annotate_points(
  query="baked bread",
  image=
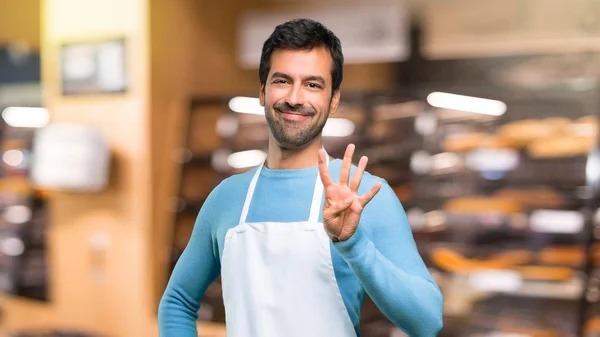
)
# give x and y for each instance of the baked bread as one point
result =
(533, 198)
(464, 142)
(565, 255)
(545, 273)
(531, 332)
(483, 204)
(453, 261)
(519, 134)
(560, 146)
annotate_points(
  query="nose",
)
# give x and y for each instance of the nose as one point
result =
(295, 97)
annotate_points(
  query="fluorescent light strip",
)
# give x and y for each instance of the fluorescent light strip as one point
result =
(338, 127)
(13, 158)
(466, 103)
(247, 105)
(26, 117)
(244, 159)
(556, 221)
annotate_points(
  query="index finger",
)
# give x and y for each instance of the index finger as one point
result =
(323, 170)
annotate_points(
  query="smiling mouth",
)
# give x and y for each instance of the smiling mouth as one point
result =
(288, 112)
(296, 113)
(294, 116)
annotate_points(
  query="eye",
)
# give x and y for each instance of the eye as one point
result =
(280, 81)
(314, 86)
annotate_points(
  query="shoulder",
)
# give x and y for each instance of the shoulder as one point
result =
(386, 193)
(232, 186)
(225, 201)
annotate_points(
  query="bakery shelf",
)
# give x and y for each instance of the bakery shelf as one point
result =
(395, 127)
(191, 206)
(483, 284)
(571, 289)
(562, 173)
(199, 159)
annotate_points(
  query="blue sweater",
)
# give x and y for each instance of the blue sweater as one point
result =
(380, 259)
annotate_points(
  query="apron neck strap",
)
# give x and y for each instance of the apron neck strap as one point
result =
(315, 208)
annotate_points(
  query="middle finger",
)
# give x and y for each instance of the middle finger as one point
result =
(346, 165)
(358, 174)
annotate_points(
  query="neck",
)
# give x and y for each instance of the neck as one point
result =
(279, 158)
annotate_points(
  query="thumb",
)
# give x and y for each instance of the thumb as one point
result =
(336, 207)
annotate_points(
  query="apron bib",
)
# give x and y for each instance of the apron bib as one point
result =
(278, 278)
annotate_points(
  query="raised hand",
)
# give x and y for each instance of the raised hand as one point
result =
(343, 206)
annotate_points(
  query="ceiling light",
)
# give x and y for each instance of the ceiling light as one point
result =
(12, 247)
(466, 103)
(13, 158)
(338, 127)
(244, 159)
(556, 221)
(247, 105)
(492, 160)
(25, 117)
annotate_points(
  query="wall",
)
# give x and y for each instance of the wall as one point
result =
(118, 304)
(20, 21)
(176, 49)
(187, 47)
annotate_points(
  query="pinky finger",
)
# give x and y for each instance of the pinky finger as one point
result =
(367, 197)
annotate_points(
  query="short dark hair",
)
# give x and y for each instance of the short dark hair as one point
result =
(303, 34)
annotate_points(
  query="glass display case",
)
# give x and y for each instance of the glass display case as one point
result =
(23, 248)
(503, 206)
(499, 184)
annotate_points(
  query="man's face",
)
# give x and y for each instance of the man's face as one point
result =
(297, 95)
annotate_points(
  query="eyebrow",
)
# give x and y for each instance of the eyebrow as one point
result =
(307, 78)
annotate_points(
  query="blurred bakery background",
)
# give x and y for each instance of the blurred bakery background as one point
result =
(119, 117)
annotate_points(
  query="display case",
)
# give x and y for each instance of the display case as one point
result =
(23, 249)
(499, 184)
(503, 206)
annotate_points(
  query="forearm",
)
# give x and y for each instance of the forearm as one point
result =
(410, 301)
(177, 316)
(178, 308)
(195, 270)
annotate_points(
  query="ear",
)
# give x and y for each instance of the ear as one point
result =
(261, 96)
(335, 102)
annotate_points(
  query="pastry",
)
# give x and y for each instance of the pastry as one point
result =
(483, 204)
(560, 146)
(464, 142)
(567, 255)
(521, 133)
(533, 198)
(545, 273)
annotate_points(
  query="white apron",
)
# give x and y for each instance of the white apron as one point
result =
(278, 278)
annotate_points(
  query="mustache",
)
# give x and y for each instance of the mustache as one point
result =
(298, 109)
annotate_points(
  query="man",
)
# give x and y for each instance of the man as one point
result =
(300, 240)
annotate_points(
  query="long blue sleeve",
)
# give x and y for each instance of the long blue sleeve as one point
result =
(390, 269)
(380, 259)
(195, 270)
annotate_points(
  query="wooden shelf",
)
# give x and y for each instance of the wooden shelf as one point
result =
(211, 330)
(21, 313)
(24, 314)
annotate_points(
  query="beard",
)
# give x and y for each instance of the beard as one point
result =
(293, 136)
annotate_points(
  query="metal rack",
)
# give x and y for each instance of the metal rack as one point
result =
(390, 143)
(569, 177)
